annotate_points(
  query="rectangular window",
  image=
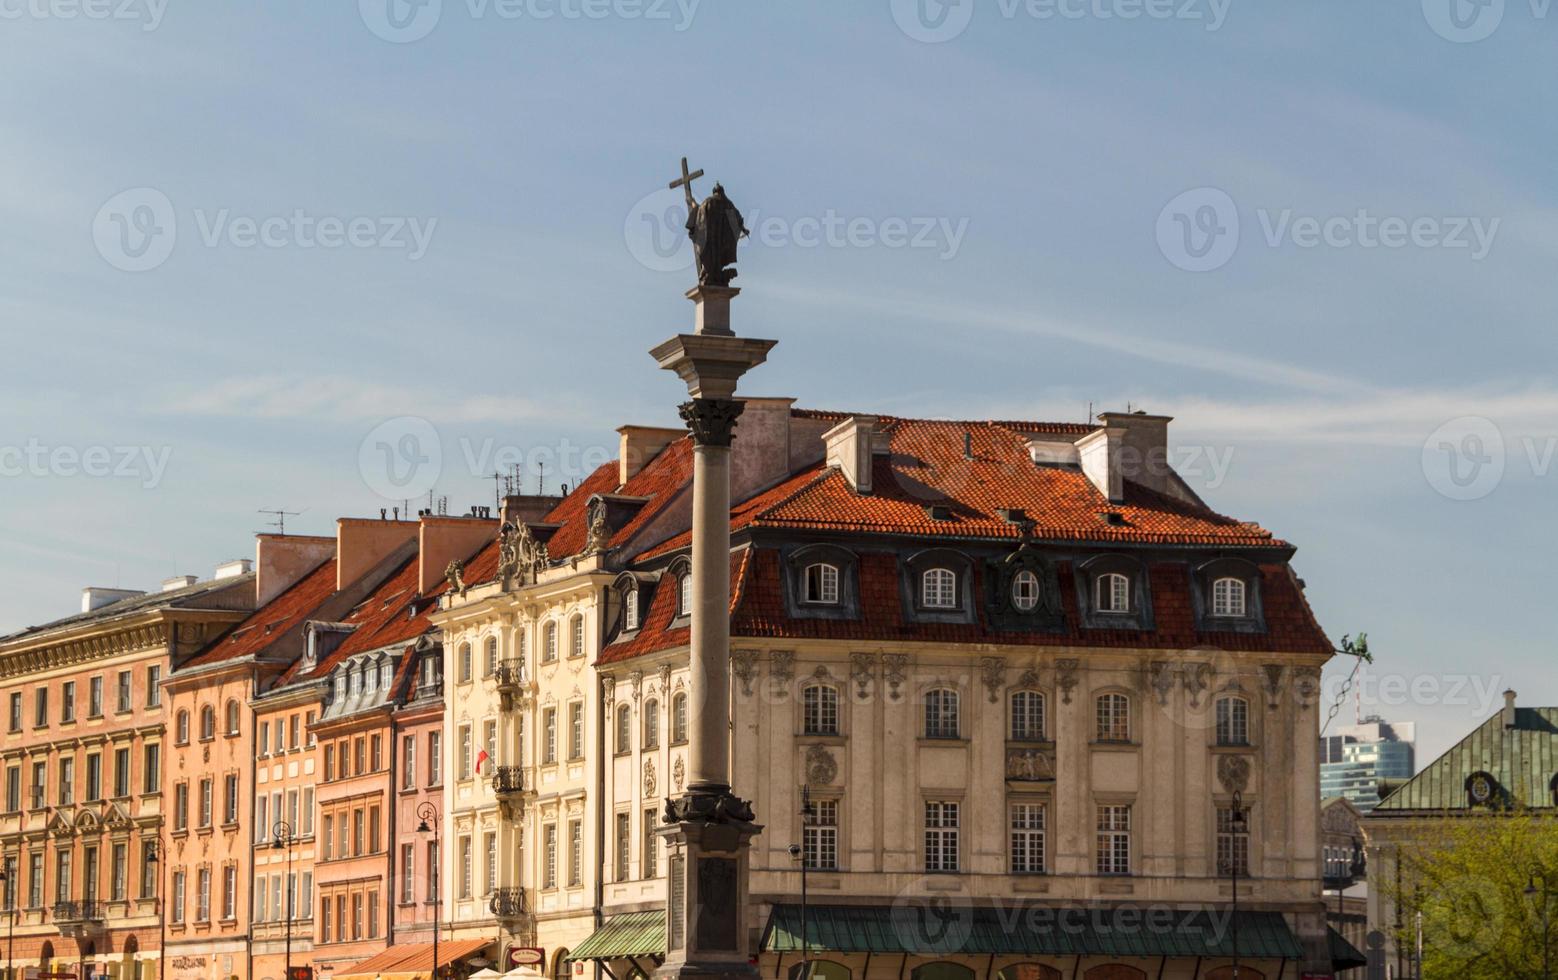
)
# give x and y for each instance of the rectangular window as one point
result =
(324, 920)
(40, 707)
(466, 888)
(575, 852)
(13, 789)
(178, 896)
(820, 710)
(230, 892)
(306, 901)
(148, 869)
(329, 837)
(1027, 838)
(308, 812)
(14, 715)
(1114, 718)
(433, 871)
(1233, 721)
(576, 731)
(941, 836)
(549, 735)
(292, 810)
(206, 787)
(262, 818)
(1233, 844)
(203, 896)
(12, 884)
(35, 880)
(68, 701)
(408, 762)
(490, 851)
(94, 777)
(624, 844)
(153, 686)
(408, 856)
(376, 753)
(230, 798)
(340, 918)
(356, 916)
(294, 732)
(651, 843)
(151, 768)
(549, 871)
(95, 697)
(489, 739)
(435, 759)
(359, 756)
(941, 714)
(373, 915)
(822, 836)
(465, 751)
(264, 742)
(122, 690)
(121, 773)
(329, 762)
(1114, 840)
(357, 832)
(373, 830)
(67, 787)
(40, 777)
(119, 871)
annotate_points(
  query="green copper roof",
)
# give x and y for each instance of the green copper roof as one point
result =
(629, 934)
(954, 929)
(1522, 761)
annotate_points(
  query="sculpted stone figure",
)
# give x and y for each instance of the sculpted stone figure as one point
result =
(716, 229)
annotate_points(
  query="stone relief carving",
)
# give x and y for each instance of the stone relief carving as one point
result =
(895, 665)
(636, 684)
(1066, 678)
(1162, 679)
(455, 574)
(1029, 679)
(743, 665)
(821, 768)
(781, 665)
(862, 668)
(1233, 772)
(1195, 677)
(678, 773)
(1306, 683)
(520, 556)
(649, 777)
(608, 690)
(1029, 765)
(665, 678)
(1272, 677)
(599, 532)
(994, 671)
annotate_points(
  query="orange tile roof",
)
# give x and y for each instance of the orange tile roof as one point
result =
(270, 622)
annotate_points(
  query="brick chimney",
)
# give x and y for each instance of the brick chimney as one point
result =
(850, 447)
(760, 450)
(361, 543)
(441, 540)
(1509, 710)
(281, 561)
(527, 508)
(638, 445)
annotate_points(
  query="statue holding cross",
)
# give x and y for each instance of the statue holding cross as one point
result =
(715, 227)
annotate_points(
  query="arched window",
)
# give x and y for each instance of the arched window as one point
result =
(181, 727)
(464, 672)
(576, 636)
(941, 714)
(1233, 721)
(938, 589)
(624, 728)
(1228, 597)
(651, 724)
(819, 970)
(1114, 718)
(561, 968)
(820, 705)
(549, 647)
(207, 722)
(684, 595)
(679, 717)
(1027, 716)
(1113, 593)
(822, 583)
(490, 657)
(630, 609)
(232, 717)
(1025, 591)
(942, 971)
(1029, 971)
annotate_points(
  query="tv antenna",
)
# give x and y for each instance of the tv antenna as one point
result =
(280, 522)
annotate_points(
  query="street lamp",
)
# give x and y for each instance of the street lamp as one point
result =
(1237, 825)
(282, 838)
(1533, 893)
(798, 852)
(155, 857)
(425, 812)
(10, 910)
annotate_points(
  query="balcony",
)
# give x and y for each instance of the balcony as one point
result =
(508, 903)
(512, 681)
(508, 782)
(81, 915)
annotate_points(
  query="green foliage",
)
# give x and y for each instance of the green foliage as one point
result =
(1468, 878)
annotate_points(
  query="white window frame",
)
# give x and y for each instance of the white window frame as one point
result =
(1028, 710)
(1229, 598)
(822, 583)
(820, 710)
(820, 836)
(943, 706)
(1112, 593)
(1233, 720)
(942, 831)
(1026, 824)
(1114, 839)
(1112, 717)
(630, 609)
(939, 588)
(1026, 591)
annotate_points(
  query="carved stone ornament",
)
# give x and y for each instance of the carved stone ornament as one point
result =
(994, 671)
(781, 665)
(678, 773)
(712, 420)
(1029, 679)
(636, 684)
(862, 668)
(608, 690)
(1195, 677)
(455, 574)
(649, 777)
(1029, 765)
(1272, 678)
(821, 768)
(709, 808)
(743, 665)
(1306, 683)
(1162, 679)
(1233, 772)
(599, 531)
(1066, 678)
(665, 679)
(520, 556)
(895, 664)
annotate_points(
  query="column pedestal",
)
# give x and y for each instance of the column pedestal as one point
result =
(706, 920)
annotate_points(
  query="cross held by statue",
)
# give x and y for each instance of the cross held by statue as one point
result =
(685, 183)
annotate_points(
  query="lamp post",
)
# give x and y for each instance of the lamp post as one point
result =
(1533, 893)
(1237, 825)
(425, 812)
(798, 851)
(282, 838)
(156, 857)
(10, 912)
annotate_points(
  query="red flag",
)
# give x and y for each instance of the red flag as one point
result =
(481, 757)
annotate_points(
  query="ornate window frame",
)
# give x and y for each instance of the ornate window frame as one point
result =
(1203, 578)
(910, 586)
(1088, 572)
(795, 562)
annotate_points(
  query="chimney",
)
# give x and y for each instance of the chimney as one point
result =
(441, 540)
(1509, 710)
(638, 445)
(527, 508)
(178, 582)
(95, 597)
(850, 446)
(1099, 454)
(361, 543)
(1129, 446)
(233, 569)
(760, 448)
(280, 562)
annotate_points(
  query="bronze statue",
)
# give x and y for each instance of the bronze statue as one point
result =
(715, 227)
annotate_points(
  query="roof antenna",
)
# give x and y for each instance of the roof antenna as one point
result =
(280, 522)
(1089, 413)
(540, 479)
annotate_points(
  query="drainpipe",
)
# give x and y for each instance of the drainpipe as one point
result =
(392, 841)
(600, 770)
(254, 694)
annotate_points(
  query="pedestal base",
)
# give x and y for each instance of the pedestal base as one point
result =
(706, 927)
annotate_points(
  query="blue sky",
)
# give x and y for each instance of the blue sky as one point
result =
(1014, 193)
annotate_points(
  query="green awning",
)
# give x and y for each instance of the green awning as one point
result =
(933, 930)
(1344, 955)
(629, 934)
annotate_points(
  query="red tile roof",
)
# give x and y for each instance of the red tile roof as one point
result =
(656, 633)
(272, 621)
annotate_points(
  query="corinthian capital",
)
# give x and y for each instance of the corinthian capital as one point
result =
(711, 419)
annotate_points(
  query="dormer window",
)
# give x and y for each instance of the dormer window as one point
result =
(370, 678)
(386, 673)
(822, 584)
(938, 589)
(1025, 591)
(684, 595)
(630, 609)
(1228, 597)
(1113, 594)
(340, 685)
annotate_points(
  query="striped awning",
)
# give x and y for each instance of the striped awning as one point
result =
(623, 936)
(932, 930)
(413, 959)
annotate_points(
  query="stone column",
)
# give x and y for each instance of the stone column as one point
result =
(709, 829)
